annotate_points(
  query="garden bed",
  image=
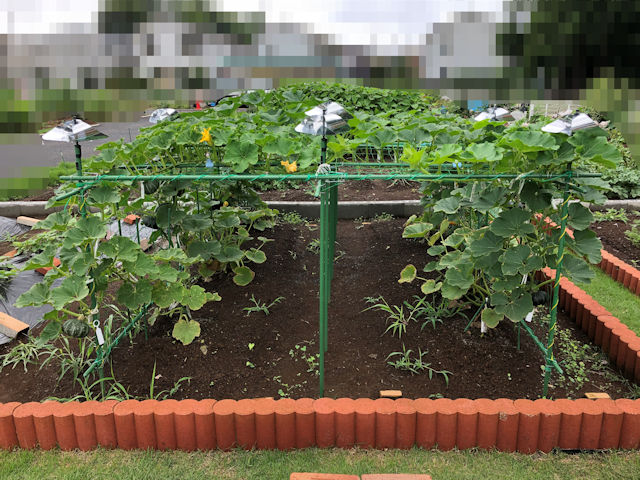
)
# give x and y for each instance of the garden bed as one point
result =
(245, 355)
(614, 240)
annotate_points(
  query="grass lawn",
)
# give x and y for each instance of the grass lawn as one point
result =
(37, 180)
(267, 465)
(616, 298)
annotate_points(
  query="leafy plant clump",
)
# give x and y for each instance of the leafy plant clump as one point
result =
(486, 239)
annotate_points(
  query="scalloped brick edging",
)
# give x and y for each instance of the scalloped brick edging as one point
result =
(620, 271)
(520, 425)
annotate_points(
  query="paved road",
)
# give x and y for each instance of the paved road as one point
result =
(19, 160)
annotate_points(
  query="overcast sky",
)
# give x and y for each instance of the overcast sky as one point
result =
(346, 21)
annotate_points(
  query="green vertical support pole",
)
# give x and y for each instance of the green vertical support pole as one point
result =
(324, 274)
(564, 214)
(333, 223)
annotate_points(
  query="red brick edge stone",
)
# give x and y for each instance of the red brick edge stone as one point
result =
(616, 339)
(521, 425)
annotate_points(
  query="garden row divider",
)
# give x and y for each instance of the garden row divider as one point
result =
(521, 425)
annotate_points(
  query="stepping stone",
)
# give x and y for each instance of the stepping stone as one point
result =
(322, 476)
(28, 221)
(396, 476)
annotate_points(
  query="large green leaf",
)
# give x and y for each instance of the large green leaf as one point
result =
(512, 222)
(42, 259)
(530, 141)
(597, 150)
(171, 255)
(490, 198)
(451, 292)
(460, 277)
(229, 254)
(165, 295)
(88, 228)
(142, 266)
(72, 289)
(243, 276)
(444, 152)
(78, 260)
(51, 331)
(135, 295)
(104, 194)
(535, 197)
(485, 152)
(55, 221)
(197, 222)
(417, 230)
(517, 308)
(120, 248)
(447, 205)
(196, 296)
(588, 244)
(240, 154)
(517, 260)
(204, 249)
(167, 214)
(489, 243)
(580, 217)
(408, 274)
(576, 269)
(37, 295)
(186, 330)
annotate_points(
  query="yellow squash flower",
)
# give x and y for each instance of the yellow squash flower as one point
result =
(290, 167)
(206, 135)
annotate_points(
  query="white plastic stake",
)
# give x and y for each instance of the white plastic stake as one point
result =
(529, 316)
(99, 335)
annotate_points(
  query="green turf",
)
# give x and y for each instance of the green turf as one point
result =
(267, 465)
(616, 298)
(38, 179)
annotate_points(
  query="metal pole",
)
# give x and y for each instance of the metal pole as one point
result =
(556, 288)
(324, 263)
(333, 221)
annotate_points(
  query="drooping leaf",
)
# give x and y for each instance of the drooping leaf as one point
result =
(580, 217)
(169, 215)
(490, 317)
(417, 230)
(37, 295)
(449, 205)
(55, 221)
(186, 331)
(408, 274)
(576, 269)
(243, 276)
(430, 286)
(51, 331)
(451, 292)
(436, 250)
(588, 244)
(196, 296)
(490, 199)
(530, 141)
(534, 197)
(460, 277)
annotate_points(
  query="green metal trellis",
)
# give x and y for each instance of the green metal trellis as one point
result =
(328, 184)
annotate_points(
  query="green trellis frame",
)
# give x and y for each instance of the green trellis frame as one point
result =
(328, 187)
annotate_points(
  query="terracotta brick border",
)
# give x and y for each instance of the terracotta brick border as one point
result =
(620, 271)
(522, 425)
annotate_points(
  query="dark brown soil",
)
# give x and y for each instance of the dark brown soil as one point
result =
(370, 190)
(252, 355)
(614, 240)
(40, 196)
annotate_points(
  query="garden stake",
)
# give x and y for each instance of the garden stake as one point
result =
(556, 287)
(324, 237)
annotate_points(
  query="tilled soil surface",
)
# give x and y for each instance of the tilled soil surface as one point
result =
(241, 354)
(614, 240)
